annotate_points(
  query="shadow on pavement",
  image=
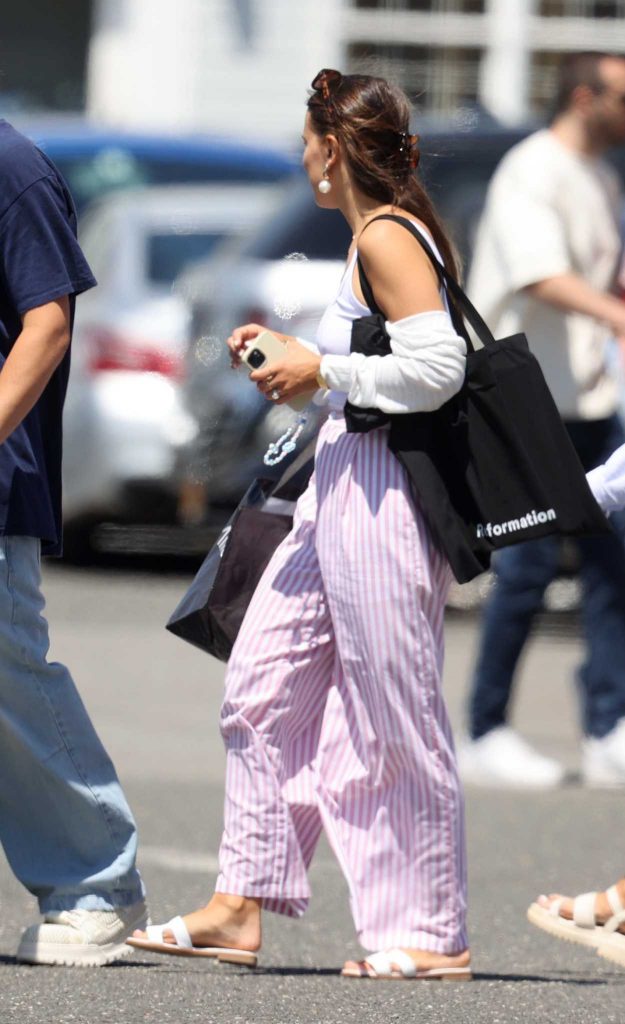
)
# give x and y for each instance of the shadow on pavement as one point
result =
(11, 961)
(555, 978)
(184, 965)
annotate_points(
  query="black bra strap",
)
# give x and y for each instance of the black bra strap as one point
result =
(460, 299)
(367, 290)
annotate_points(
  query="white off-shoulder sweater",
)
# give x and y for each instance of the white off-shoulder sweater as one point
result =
(425, 368)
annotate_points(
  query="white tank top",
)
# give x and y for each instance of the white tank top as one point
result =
(334, 333)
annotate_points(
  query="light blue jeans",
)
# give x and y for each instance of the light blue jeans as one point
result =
(65, 826)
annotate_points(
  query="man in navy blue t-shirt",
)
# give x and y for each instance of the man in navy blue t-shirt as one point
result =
(65, 826)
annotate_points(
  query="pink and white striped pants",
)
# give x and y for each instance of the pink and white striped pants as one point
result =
(333, 715)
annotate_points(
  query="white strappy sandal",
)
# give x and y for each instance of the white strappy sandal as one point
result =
(397, 965)
(584, 928)
(183, 946)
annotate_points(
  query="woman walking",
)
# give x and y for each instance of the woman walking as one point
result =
(333, 715)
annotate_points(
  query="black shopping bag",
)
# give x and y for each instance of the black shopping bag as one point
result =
(493, 466)
(212, 610)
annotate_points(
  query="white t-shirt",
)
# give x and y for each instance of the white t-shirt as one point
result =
(551, 211)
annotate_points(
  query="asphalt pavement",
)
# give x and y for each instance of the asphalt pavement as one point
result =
(155, 702)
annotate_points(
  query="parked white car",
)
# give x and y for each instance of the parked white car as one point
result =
(283, 276)
(124, 420)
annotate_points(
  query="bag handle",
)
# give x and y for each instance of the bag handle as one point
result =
(461, 299)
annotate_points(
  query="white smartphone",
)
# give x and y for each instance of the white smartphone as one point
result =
(266, 349)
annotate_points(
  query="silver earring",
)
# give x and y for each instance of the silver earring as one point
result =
(325, 184)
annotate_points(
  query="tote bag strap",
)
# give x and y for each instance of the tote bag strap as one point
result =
(461, 300)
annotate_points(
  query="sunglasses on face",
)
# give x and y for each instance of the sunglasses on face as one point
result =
(618, 96)
(326, 80)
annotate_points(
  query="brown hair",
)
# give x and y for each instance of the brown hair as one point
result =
(371, 118)
(577, 69)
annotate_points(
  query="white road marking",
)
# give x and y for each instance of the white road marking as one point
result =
(172, 859)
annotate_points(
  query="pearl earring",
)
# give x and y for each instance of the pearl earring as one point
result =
(325, 184)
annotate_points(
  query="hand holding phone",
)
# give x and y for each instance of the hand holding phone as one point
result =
(264, 350)
(240, 338)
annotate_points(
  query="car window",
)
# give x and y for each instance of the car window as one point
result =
(168, 254)
(456, 173)
(97, 239)
(302, 227)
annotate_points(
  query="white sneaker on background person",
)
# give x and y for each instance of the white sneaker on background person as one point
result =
(603, 760)
(503, 759)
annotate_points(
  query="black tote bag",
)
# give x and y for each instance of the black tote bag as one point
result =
(493, 466)
(210, 614)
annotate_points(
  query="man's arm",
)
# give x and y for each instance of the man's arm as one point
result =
(572, 294)
(37, 352)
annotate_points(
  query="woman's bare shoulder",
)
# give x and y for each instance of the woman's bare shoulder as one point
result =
(380, 232)
(398, 212)
(385, 242)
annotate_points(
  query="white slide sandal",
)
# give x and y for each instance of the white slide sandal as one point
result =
(396, 965)
(183, 946)
(584, 928)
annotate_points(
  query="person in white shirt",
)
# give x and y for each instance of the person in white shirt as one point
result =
(546, 257)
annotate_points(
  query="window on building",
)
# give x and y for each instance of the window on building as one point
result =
(439, 80)
(432, 6)
(43, 55)
(543, 81)
(582, 8)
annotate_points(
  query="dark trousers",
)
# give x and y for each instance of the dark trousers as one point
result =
(522, 575)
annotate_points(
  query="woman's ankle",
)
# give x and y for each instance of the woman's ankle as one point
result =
(236, 904)
(227, 920)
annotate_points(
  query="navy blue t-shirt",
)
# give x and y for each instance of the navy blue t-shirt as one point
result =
(40, 260)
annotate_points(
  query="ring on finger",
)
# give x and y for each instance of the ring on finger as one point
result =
(275, 394)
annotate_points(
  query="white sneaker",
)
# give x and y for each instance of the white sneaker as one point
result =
(603, 761)
(501, 758)
(82, 938)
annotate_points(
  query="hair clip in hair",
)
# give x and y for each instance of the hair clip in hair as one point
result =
(324, 79)
(408, 148)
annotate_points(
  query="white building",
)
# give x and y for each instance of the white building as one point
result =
(238, 67)
(499, 53)
(242, 67)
